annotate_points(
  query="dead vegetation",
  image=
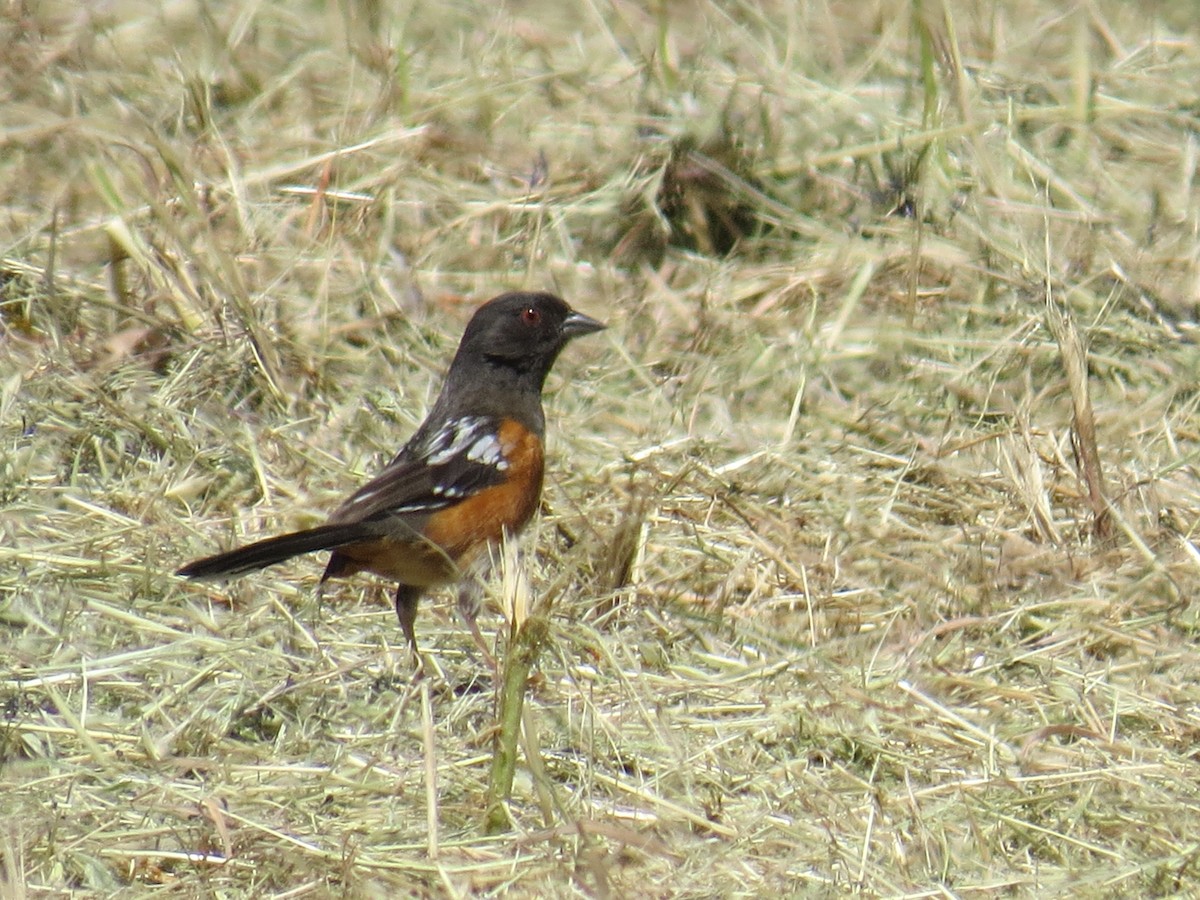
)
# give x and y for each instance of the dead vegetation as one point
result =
(870, 525)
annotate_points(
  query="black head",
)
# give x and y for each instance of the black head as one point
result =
(505, 354)
(523, 331)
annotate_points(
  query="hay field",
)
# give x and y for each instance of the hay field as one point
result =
(870, 521)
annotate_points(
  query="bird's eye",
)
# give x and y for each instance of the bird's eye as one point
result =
(531, 315)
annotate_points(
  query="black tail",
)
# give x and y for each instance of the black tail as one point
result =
(261, 554)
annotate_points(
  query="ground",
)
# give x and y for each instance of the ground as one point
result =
(868, 542)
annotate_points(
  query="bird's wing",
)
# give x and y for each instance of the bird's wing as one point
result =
(435, 469)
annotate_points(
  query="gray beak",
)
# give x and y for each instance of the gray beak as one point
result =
(577, 324)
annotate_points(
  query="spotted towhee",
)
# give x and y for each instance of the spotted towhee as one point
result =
(471, 473)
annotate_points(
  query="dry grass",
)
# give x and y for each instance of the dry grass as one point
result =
(872, 515)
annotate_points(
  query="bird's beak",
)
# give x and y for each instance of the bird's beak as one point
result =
(577, 324)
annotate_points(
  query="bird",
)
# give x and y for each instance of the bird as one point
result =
(468, 478)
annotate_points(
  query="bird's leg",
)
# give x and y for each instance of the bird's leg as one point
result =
(469, 603)
(407, 598)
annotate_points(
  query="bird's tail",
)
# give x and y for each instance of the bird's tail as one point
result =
(261, 554)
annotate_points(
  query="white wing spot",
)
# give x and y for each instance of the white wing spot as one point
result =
(363, 498)
(487, 450)
(452, 440)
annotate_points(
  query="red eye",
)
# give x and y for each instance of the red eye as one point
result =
(531, 316)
